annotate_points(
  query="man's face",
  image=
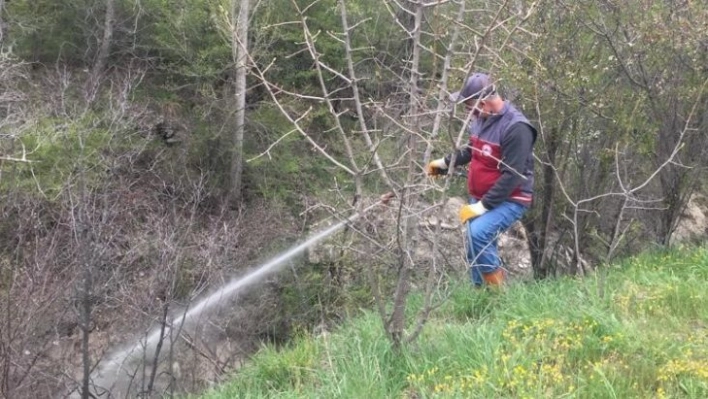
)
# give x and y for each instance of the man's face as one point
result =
(477, 107)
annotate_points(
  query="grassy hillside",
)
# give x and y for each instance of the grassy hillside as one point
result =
(641, 331)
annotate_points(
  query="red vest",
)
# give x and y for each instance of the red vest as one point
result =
(486, 136)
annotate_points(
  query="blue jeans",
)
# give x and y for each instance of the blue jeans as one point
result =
(482, 235)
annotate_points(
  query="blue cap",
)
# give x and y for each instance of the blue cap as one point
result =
(477, 85)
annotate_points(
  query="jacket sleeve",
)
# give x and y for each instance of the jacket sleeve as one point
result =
(516, 147)
(463, 156)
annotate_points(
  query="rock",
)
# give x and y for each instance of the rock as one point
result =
(693, 223)
(515, 252)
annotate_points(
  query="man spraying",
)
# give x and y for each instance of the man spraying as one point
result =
(499, 177)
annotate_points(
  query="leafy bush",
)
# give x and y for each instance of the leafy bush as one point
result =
(61, 152)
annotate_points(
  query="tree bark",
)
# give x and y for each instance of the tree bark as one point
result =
(408, 231)
(85, 319)
(539, 232)
(2, 23)
(103, 52)
(239, 48)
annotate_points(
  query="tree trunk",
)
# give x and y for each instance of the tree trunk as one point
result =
(85, 320)
(239, 49)
(2, 23)
(407, 230)
(103, 51)
(538, 232)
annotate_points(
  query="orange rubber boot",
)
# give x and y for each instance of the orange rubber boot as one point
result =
(495, 278)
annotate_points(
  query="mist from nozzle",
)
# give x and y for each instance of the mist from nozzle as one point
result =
(115, 373)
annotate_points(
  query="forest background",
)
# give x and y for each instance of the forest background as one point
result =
(150, 150)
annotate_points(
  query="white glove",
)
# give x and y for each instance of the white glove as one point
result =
(436, 167)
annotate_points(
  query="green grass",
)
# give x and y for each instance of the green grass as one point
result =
(645, 337)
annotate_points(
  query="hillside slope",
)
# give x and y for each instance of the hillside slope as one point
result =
(637, 329)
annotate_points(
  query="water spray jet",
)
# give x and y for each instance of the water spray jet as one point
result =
(115, 373)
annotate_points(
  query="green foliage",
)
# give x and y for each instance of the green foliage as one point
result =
(60, 153)
(49, 30)
(292, 168)
(611, 88)
(185, 37)
(280, 27)
(645, 337)
(278, 35)
(293, 370)
(324, 293)
(464, 306)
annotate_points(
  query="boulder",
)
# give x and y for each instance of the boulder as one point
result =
(692, 225)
